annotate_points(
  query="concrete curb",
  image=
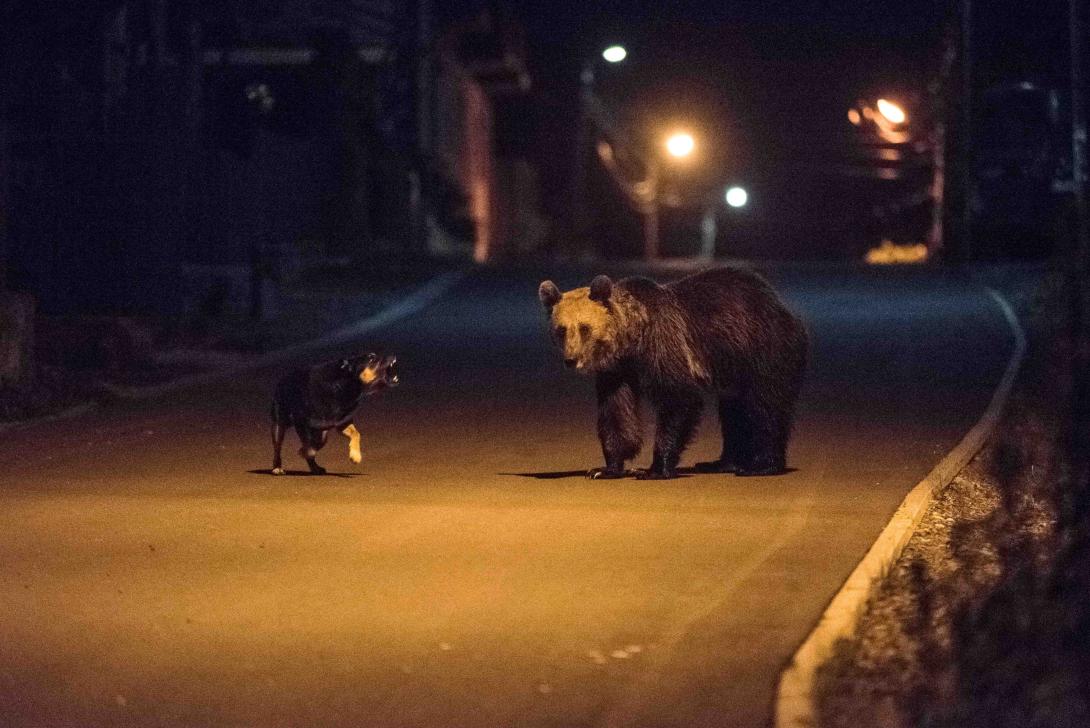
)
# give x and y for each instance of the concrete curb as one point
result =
(415, 301)
(794, 704)
(73, 411)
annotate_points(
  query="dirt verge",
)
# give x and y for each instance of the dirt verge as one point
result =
(985, 618)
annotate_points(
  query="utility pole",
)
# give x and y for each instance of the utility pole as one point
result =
(590, 117)
(1077, 277)
(965, 135)
(5, 200)
(420, 191)
(940, 102)
(1078, 140)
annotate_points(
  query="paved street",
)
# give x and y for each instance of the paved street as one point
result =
(466, 574)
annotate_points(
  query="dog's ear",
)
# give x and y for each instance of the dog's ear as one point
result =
(548, 293)
(601, 288)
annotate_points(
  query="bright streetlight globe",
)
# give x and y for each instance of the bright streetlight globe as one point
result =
(893, 113)
(737, 197)
(680, 144)
(615, 54)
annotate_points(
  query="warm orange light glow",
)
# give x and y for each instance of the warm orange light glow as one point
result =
(889, 253)
(605, 151)
(680, 144)
(854, 117)
(891, 111)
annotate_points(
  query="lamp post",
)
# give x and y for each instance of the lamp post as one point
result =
(589, 109)
(891, 134)
(679, 146)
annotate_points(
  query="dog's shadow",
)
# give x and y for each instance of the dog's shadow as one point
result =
(303, 474)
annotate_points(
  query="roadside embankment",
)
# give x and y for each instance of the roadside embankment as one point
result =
(985, 618)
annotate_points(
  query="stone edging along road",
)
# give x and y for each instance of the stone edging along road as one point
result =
(794, 706)
(414, 301)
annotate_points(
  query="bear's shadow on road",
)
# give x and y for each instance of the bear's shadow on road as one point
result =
(681, 473)
(302, 474)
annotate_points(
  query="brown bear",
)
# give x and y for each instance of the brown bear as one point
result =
(722, 330)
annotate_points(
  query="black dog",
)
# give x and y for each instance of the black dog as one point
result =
(316, 399)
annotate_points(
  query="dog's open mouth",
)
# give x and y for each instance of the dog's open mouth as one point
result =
(389, 366)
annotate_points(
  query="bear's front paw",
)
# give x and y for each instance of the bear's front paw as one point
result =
(317, 470)
(277, 471)
(763, 465)
(716, 466)
(606, 473)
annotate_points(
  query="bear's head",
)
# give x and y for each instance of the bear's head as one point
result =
(585, 323)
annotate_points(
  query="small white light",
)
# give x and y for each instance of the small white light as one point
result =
(615, 54)
(737, 197)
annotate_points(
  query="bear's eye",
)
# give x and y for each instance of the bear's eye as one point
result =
(584, 331)
(561, 332)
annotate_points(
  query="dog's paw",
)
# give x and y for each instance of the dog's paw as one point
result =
(355, 456)
(277, 471)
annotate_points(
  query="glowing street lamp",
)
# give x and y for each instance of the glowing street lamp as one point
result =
(737, 197)
(615, 54)
(680, 145)
(592, 113)
(891, 112)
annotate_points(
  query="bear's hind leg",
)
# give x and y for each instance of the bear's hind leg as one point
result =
(678, 416)
(619, 427)
(734, 428)
(766, 432)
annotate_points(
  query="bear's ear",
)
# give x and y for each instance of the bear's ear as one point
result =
(548, 293)
(600, 289)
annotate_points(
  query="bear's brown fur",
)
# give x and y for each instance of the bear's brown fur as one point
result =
(723, 330)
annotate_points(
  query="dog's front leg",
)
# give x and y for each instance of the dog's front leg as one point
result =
(353, 436)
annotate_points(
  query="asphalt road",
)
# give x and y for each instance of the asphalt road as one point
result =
(466, 574)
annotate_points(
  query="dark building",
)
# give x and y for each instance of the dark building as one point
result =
(161, 151)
